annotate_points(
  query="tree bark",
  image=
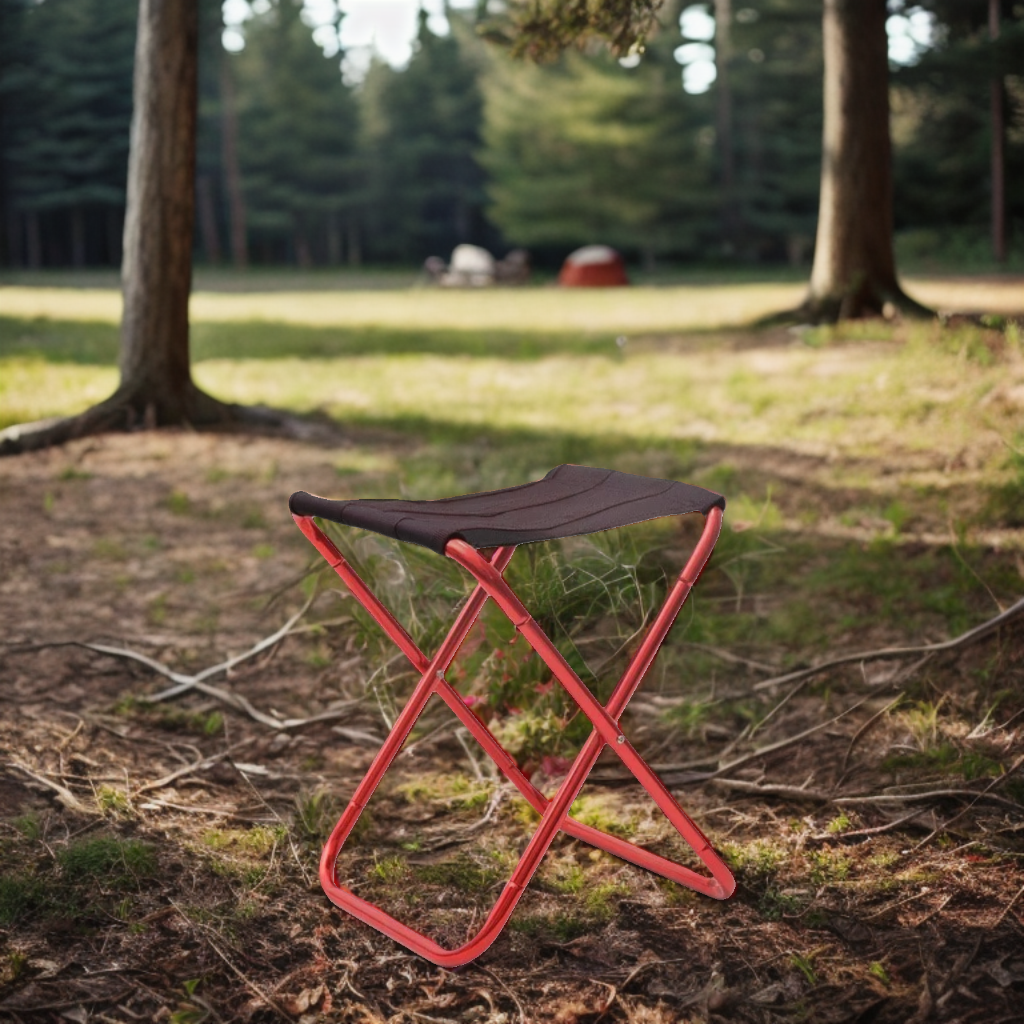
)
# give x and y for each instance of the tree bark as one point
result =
(77, 238)
(34, 240)
(854, 272)
(156, 269)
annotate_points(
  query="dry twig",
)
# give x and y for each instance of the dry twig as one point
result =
(206, 932)
(64, 795)
(886, 653)
(184, 683)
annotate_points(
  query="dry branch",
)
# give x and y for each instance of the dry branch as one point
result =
(199, 765)
(817, 796)
(995, 783)
(64, 795)
(184, 683)
(887, 653)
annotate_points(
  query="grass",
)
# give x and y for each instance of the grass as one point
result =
(559, 375)
(88, 875)
(535, 310)
(106, 861)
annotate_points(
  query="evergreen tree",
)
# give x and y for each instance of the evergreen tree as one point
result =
(942, 129)
(586, 150)
(13, 82)
(421, 131)
(67, 153)
(297, 139)
(212, 221)
(776, 78)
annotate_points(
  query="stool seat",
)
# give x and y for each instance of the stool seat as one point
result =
(569, 501)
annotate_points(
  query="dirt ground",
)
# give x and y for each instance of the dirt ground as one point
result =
(160, 858)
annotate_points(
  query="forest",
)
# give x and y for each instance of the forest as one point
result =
(300, 165)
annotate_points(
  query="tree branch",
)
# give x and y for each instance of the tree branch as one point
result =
(888, 653)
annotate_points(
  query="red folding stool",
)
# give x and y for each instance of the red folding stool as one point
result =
(481, 533)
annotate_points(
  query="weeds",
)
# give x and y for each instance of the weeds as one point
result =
(390, 870)
(179, 503)
(316, 815)
(805, 965)
(29, 826)
(455, 791)
(1005, 503)
(256, 842)
(839, 824)
(877, 971)
(464, 875)
(107, 862)
(828, 867)
(86, 875)
(21, 895)
(598, 813)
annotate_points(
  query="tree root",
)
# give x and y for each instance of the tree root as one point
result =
(889, 304)
(149, 408)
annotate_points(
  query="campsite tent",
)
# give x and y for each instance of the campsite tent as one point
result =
(593, 266)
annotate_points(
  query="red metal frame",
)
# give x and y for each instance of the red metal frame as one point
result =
(554, 812)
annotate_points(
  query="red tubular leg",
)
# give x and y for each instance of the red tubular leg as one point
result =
(554, 812)
(722, 884)
(360, 591)
(432, 676)
(586, 833)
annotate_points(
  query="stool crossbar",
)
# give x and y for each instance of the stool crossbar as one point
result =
(481, 532)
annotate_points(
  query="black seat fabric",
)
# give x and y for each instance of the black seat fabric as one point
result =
(569, 501)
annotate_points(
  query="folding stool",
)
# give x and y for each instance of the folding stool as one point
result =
(481, 532)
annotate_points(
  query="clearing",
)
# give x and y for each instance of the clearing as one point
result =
(160, 848)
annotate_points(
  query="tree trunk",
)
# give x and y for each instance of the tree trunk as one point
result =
(854, 273)
(156, 269)
(77, 238)
(355, 245)
(34, 240)
(333, 240)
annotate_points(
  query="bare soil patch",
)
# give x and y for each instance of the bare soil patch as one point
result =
(160, 859)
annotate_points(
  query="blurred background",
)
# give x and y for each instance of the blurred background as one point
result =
(380, 132)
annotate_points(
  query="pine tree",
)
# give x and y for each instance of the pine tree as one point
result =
(777, 108)
(297, 138)
(586, 150)
(421, 131)
(943, 131)
(67, 156)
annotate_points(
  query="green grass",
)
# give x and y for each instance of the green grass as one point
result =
(843, 453)
(106, 861)
(858, 399)
(88, 875)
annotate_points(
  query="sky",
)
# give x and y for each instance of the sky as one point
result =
(388, 28)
